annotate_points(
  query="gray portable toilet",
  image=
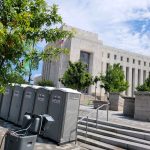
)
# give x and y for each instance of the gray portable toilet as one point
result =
(64, 109)
(15, 104)
(27, 101)
(6, 102)
(42, 100)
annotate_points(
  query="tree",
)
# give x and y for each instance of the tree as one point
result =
(22, 23)
(145, 86)
(114, 80)
(76, 77)
(17, 78)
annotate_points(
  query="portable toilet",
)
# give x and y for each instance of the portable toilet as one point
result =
(16, 104)
(27, 101)
(6, 102)
(64, 109)
(42, 100)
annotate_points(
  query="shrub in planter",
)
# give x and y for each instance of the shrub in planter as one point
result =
(142, 101)
(145, 86)
(114, 83)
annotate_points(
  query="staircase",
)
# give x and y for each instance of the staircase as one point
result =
(111, 136)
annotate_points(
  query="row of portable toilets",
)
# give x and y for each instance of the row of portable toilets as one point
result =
(61, 104)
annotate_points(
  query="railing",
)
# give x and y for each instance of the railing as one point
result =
(87, 117)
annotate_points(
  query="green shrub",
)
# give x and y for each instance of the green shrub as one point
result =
(145, 86)
(114, 79)
(76, 76)
(45, 83)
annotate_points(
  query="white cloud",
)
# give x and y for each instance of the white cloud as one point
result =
(109, 18)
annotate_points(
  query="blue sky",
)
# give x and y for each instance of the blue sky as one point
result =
(122, 24)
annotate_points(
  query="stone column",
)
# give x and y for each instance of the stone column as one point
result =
(136, 79)
(141, 80)
(129, 79)
(124, 70)
(147, 74)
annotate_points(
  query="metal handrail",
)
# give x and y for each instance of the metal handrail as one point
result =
(87, 116)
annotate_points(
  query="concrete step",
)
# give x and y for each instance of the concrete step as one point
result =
(114, 135)
(89, 147)
(136, 134)
(117, 125)
(114, 141)
(98, 144)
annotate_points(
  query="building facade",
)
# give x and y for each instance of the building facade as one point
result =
(86, 46)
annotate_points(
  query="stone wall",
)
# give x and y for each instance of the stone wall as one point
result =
(98, 103)
(116, 102)
(128, 108)
(86, 99)
(142, 106)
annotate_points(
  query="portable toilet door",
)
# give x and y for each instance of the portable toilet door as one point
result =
(6, 102)
(27, 102)
(15, 104)
(41, 101)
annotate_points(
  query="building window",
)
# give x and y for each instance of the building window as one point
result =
(144, 63)
(115, 56)
(107, 66)
(139, 62)
(133, 61)
(121, 67)
(121, 58)
(85, 58)
(108, 55)
(127, 59)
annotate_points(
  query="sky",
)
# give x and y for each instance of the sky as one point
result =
(123, 24)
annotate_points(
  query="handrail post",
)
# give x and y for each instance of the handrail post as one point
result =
(87, 126)
(76, 133)
(107, 110)
(96, 117)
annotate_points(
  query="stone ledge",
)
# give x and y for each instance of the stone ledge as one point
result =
(142, 93)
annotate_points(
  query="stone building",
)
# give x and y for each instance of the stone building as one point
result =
(87, 47)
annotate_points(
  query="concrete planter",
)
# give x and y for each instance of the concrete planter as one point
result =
(86, 99)
(142, 106)
(116, 102)
(98, 103)
(129, 105)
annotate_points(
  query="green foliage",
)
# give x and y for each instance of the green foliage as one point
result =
(23, 23)
(145, 86)
(76, 77)
(46, 83)
(17, 78)
(114, 80)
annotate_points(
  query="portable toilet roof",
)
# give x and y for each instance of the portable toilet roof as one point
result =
(36, 86)
(68, 90)
(25, 85)
(49, 88)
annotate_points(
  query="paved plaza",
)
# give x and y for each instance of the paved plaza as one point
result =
(114, 116)
(41, 144)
